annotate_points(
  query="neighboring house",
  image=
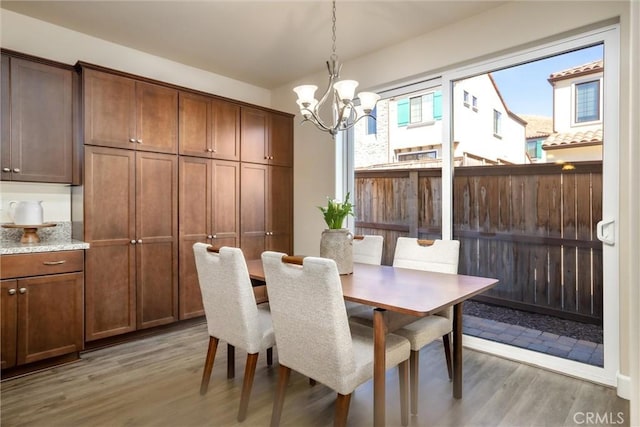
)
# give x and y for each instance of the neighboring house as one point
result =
(537, 131)
(577, 114)
(408, 131)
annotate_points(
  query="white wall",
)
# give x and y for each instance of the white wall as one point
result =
(495, 32)
(27, 35)
(473, 129)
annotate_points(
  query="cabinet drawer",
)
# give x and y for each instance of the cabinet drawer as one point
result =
(38, 264)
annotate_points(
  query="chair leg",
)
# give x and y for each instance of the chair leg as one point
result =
(247, 384)
(231, 361)
(414, 361)
(447, 354)
(278, 400)
(270, 356)
(342, 410)
(403, 375)
(208, 365)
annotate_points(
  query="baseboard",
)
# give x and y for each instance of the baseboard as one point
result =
(624, 386)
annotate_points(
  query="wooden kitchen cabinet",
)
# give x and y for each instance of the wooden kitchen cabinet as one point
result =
(37, 121)
(209, 213)
(42, 306)
(123, 112)
(130, 221)
(266, 219)
(266, 137)
(209, 127)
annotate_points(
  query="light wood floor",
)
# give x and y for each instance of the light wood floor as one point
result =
(155, 382)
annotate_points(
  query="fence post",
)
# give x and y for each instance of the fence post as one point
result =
(412, 204)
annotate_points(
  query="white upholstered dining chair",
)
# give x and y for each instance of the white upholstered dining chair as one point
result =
(313, 334)
(429, 255)
(232, 314)
(367, 249)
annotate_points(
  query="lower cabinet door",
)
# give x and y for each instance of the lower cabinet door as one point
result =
(49, 316)
(9, 307)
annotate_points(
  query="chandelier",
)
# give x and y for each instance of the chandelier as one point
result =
(340, 93)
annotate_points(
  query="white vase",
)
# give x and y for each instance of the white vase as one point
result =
(338, 245)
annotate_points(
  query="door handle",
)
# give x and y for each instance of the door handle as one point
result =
(606, 232)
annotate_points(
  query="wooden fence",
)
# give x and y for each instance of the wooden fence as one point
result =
(531, 226)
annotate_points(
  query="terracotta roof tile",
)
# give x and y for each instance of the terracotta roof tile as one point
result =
(591, 67)
(537, 126)
(573, 138)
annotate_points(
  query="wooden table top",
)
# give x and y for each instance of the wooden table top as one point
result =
(414, 292)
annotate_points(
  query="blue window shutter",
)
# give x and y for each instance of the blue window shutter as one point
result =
(437, 105)
(403, 112)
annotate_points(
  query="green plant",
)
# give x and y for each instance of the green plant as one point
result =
(335, 212)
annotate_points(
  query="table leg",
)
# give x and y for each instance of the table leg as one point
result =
(379, 363)
(457, 351)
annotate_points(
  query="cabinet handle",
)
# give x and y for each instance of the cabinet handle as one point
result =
(214, 237)
(23, 290)
(16, 170)
(209, 236)
(12, 291)
(133, 242)
(139, 141)
(139, 240)
(6, 170)
(132, 140)
(266, 157)
(54, 262)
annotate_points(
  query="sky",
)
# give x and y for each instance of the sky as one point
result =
(525, 88)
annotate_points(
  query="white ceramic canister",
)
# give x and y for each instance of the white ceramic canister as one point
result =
(28, 212)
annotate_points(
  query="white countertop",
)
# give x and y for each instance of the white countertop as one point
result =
(10, 248)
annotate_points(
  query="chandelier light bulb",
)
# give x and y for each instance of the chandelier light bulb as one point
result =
(368, 101)
(346, 89)
(306, 94)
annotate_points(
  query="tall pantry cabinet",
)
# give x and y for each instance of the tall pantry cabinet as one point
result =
(165, 167)
(130, 204)
(209, 144)
(267, 182)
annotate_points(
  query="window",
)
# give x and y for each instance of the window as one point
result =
(588, 101)
(497, 123)
(415, 108)
(420, 109)
(534, 149)
(371, 122)
(465, 98)
(418, 155)
(474, 103)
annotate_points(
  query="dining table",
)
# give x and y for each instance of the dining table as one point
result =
(399, 296)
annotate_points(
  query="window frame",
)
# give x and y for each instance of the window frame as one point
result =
(497, 123)
(597, 101)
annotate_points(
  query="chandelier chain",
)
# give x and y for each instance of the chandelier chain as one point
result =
(333, 29)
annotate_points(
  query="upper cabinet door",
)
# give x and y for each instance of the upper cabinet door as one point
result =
(193, 120)
(41, 123)
(109, 110)
(254, 136)
(125, 113)
(225, 130)
(156, 118)
(281, 140)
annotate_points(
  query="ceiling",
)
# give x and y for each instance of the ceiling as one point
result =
(265, 43)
